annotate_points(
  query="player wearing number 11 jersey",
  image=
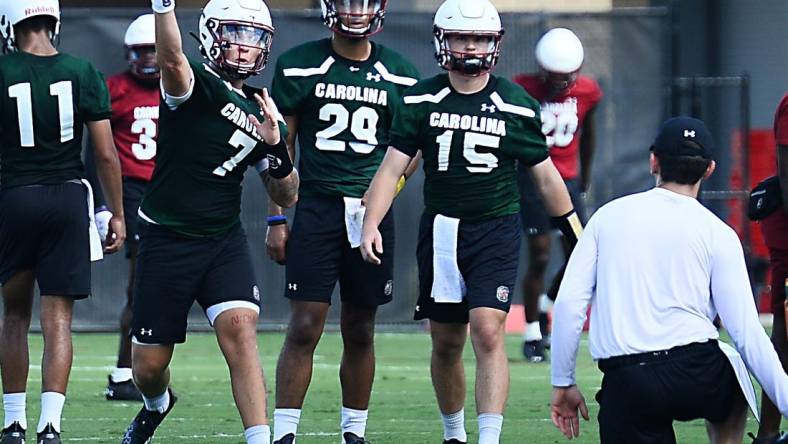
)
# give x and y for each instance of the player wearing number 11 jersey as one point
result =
(338, 97)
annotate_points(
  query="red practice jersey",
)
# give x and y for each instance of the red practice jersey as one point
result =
(135, 119)
(775, 227)
(563, 117)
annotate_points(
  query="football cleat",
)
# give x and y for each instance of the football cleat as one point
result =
(143, 426)
(122, 391)
(48, 436)
(781, 438)
(453, 441)
(287, 439)
(533, 351)
(350, 438)
(13, 434)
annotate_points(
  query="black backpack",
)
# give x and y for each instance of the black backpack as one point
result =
(765, 198)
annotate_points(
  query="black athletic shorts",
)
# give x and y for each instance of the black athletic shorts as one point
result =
(534, 214)
(133, 190)
(643, 394)
(319, 256)
(487, 256)
(174, 271)
(44, 228)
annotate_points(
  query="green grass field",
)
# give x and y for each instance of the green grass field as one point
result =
(403, 408)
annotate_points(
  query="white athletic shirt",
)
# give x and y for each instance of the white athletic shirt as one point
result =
(656, 268)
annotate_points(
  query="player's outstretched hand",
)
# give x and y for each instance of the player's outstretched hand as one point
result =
(566, 402)
(371, 244)
(116, 235)
(268, 130)
(276, 243)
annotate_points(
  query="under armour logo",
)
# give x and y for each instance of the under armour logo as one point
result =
(486, 107)
(375, 77)
(689, 133)
(144, 332)
(292, 287)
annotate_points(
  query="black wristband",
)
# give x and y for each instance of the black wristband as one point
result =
(279, 163)
(570, 226)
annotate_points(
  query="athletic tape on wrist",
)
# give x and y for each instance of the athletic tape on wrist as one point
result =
(162, 6)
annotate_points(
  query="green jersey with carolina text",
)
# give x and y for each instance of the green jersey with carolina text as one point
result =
(44, 103)
(344, 110)
(204, 147)
(471, 144)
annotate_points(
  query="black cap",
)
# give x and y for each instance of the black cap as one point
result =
(683, 136)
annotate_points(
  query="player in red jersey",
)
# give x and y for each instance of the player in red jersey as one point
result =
(568, 101)
(135, 114)
(775, 233)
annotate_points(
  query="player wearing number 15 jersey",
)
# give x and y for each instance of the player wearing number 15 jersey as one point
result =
(338, 96)
(47, 234)
(568, 101)
(472, 128)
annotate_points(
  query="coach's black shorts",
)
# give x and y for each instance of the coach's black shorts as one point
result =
(174, 271)
(44, 228)
(641, 396)
(534, 214)
(487, 255)
(319, 255)
(133, 190)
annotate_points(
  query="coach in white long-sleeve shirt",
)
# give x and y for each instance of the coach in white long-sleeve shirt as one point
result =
(657, 267)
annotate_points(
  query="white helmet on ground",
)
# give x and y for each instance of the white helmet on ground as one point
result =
(469, 18)
(364, 17)
(559, 51)
(14, 11)
(140, 42)
(241, 23)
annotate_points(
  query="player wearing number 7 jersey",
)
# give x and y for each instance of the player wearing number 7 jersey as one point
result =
(338, 96)
(212, 127)
(47, 232)
(568, 101)
(472, 128)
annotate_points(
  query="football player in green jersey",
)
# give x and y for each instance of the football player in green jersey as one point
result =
(212, 127)
(47, 234)
(472, 128)
(338, 96)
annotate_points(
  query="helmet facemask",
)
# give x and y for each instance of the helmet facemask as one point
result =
(557, 82)
(467, 63)
(142, 62)
(354, 18)
(240, 49)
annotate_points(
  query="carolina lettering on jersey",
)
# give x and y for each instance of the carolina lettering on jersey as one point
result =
(146, 112)
(353, 93)
(469, 123)
(240, 119)
(569, 106)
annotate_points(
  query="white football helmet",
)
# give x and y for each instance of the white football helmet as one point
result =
(363, 17)
(559, 54)
(140, 42)
(241, 23)
(14, 11)
(470, 18)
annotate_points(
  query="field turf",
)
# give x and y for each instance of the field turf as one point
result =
(403, 409)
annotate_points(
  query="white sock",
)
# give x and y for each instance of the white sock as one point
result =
(120, 375)
(454, 426)
(286, 422)
(51, 410)
(532, 332)
(259, 434)
(354, 421)
(14, 407)
(158, 403)
(490, 425)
